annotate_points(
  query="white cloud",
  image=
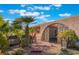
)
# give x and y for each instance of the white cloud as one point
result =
(24, 13)
(42, 13)
(43, 18)
(30, 14)
(51, 20)
(65, 14)
(30, 8)
(42, 8)
(23, 5)
(1, 11)
(57, 5)
(16, 11)
(8, 19)
(47, 15)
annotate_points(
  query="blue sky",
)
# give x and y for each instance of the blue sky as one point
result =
(42, 12)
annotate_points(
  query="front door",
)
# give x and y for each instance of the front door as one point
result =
(53, 34)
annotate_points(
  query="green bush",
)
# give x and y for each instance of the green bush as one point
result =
(10, 53)
(19, 51)
(74, 46)
(68, 36)
(65, 52)
(4, 44)
(22, 43)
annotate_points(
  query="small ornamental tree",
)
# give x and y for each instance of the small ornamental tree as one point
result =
(68, 37)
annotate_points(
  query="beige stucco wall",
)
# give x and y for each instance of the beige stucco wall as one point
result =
(71, 22)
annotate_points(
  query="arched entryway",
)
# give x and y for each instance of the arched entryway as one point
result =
(51, 31)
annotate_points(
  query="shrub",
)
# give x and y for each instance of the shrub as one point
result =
(4, 44)
(16, 51)
(20, 34)
(10, 53)
(68, 36)
(65, 52)
(19, 51)
(22, 43)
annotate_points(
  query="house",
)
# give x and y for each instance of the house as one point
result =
(47, 32)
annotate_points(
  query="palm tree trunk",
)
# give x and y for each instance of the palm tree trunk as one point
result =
(27, 35)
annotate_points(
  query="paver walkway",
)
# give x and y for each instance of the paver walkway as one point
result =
(45, 48)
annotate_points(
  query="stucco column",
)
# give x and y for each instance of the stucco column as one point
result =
(47, 34)
(44, 32)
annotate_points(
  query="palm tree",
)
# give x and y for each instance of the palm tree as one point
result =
(16, 25)
(25, 21)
